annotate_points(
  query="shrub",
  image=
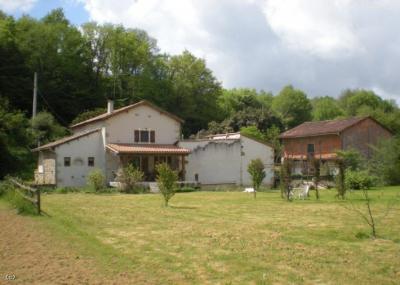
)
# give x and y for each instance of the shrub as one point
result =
(65, 190)
(257, 173)
(359, 180)
(129, 176)
(166, 179)
(186, 190)
(22, 205)
(96, 179)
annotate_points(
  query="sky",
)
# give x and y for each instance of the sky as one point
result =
(321, 47)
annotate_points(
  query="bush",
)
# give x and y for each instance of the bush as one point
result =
(65, 190)
(359, 180)
(166, 179)
(96, 179)
(22, 205)
(186, 190)
(257, 173)
(129, 176)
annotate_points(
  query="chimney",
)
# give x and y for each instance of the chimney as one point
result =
(110, 106)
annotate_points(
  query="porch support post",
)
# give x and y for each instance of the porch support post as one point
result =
(183, 168)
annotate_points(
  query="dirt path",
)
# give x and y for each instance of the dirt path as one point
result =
(33, 256)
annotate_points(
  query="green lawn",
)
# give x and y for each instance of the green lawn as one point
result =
(230, 238)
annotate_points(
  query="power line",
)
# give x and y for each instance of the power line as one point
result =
(53, 111)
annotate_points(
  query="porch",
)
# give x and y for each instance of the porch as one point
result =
(146, 157)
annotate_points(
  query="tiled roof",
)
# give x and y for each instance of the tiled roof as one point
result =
(120, 110)
(321, 128)
(65, 140)
(147, 148)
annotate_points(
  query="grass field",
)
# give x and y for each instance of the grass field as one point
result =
(230, 238)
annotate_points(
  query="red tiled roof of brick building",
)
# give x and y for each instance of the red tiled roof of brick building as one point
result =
(308, 129)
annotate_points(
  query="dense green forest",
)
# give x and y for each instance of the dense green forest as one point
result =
(79, 68)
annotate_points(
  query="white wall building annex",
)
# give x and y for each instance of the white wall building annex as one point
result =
(224, 158)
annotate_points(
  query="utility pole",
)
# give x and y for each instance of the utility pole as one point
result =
(34, 107)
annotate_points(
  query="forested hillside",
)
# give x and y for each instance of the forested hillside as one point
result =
(80, 67)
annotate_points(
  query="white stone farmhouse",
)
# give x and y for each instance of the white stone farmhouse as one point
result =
(141, 134)
(144, 135)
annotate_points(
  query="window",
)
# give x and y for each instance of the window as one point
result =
(90, 161)
(310, 148)
(137, 136)
(67, 161)
(144, 136)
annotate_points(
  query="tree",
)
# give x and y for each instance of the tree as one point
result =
(166, 179)
(385, 162)
(194, 91)
(293, 106)
(346, 160)
(129, 176)
(45, 128)
(325, 108)
(317, 175)
(15, 142)
(253, 132)
(257, 173)
(286, 179)
(96, 179)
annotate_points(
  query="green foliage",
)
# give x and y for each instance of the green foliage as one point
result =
(129, 176)
(385, 163)
(45, 128)
(253, 132)
(285, 174)
(257, 173)
(347, 160)
(326, 108)
(96, 179)
(359, 180)
(185, 190)
(166, 179)
(66, 190)
(87, 115)
(293, 106)
(9, 194)
(15, 140)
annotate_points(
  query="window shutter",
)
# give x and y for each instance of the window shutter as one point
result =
(152, 136)
(136, 136)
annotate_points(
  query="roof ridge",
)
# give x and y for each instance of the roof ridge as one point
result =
(117, 111)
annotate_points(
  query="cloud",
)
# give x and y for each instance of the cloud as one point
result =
(10, 6)
(319, 46)
(322, 28)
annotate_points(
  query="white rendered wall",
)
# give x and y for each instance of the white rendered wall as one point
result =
(253, 150)
(215, 162)
(226, 161)
(79, 150)
(121, 127)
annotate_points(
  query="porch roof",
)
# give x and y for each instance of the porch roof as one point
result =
(146, 149)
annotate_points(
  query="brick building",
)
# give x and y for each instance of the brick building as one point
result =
(322, 139)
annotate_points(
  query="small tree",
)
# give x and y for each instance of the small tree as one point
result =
(96, 179)
(346, 159)
(257, 173)
(286, 179)
(166, 179)
(317, 175)
(129, 176)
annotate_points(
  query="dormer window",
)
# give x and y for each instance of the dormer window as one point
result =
(145, 136)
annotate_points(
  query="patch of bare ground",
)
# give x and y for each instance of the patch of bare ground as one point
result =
(34, 256)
